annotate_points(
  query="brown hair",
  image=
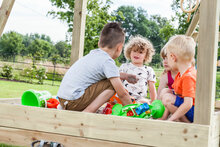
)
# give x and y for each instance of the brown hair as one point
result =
(111, 35)
(139, 43)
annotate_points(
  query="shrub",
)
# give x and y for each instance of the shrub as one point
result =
(57, 76)
(7, 71)
(16, 77)
(41, 75)
(29, 73)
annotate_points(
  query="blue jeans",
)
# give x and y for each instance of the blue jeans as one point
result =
(190, 113)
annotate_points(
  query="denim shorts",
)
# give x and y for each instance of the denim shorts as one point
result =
(190, 113)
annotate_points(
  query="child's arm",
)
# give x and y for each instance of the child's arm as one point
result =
(128, 77)
(162, 84)
(119, 88)
(183, 109)
(152, 90)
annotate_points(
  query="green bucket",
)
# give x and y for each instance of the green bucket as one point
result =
(157, 109)
(35, 98)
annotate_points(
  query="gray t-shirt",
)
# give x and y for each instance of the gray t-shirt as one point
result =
(90, 69)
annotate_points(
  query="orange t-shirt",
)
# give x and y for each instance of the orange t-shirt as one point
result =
(185, 85)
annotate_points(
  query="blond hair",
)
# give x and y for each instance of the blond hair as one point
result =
(182, 46)
(139, 43)
(163, 52)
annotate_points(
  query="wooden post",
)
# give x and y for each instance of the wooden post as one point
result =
(79, 21)
(195, 36)
(193, 24)
(5, 12)
(207, 56)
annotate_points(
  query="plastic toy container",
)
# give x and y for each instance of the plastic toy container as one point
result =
(35, 98)
(157, 109)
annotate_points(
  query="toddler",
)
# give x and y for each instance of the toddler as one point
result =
(180, 102)
(140, 51)
(167, 77)
(94, 78)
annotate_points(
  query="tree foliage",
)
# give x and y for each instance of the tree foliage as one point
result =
(10, 44)
(62, 49)
(40, 48)
(97, 16)
(136, 21)
(180, 17)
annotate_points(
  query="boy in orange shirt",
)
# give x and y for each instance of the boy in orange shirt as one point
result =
(180, 102)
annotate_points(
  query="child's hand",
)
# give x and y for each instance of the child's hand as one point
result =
(131, 78)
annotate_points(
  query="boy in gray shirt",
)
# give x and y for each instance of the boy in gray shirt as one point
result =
(93, 79)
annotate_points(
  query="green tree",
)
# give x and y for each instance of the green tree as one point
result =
(160, 21)
(10, 44)
(40, 48)
(63, 49)
(167, 31)
(137, 22)
(39, 36)
(29, 38)
(180, 17)
(97, 16)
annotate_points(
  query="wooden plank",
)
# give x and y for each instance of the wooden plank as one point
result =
(217, 104)
(5, 11)
(207, 55)
(10, 100)
(193, 24)
(195, 36)
(79, 22)
(218, 37)
(215, 130)
(23, 137)
(98, 126)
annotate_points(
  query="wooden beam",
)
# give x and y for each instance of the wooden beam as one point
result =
(215, 130)
(207, 55)
(10, 100)
(23, 137)
(5, 11)
(79, 22)
(193, 24)
(195, 36)
(103, 127)
(219, 37)
(217, 104)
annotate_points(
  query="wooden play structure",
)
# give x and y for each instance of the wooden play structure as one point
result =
(20, 125)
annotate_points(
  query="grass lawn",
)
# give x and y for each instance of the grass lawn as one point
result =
(4, 145)
(10, 89)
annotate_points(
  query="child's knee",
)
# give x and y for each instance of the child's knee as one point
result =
(166, 99)
(164, 91)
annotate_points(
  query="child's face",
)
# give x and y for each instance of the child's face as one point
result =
(171, 60)
(137, 57)
(165, 64)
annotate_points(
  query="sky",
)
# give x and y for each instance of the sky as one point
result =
(30, 16)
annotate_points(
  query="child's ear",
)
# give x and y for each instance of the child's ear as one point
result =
(173, 57)
(119, 46)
